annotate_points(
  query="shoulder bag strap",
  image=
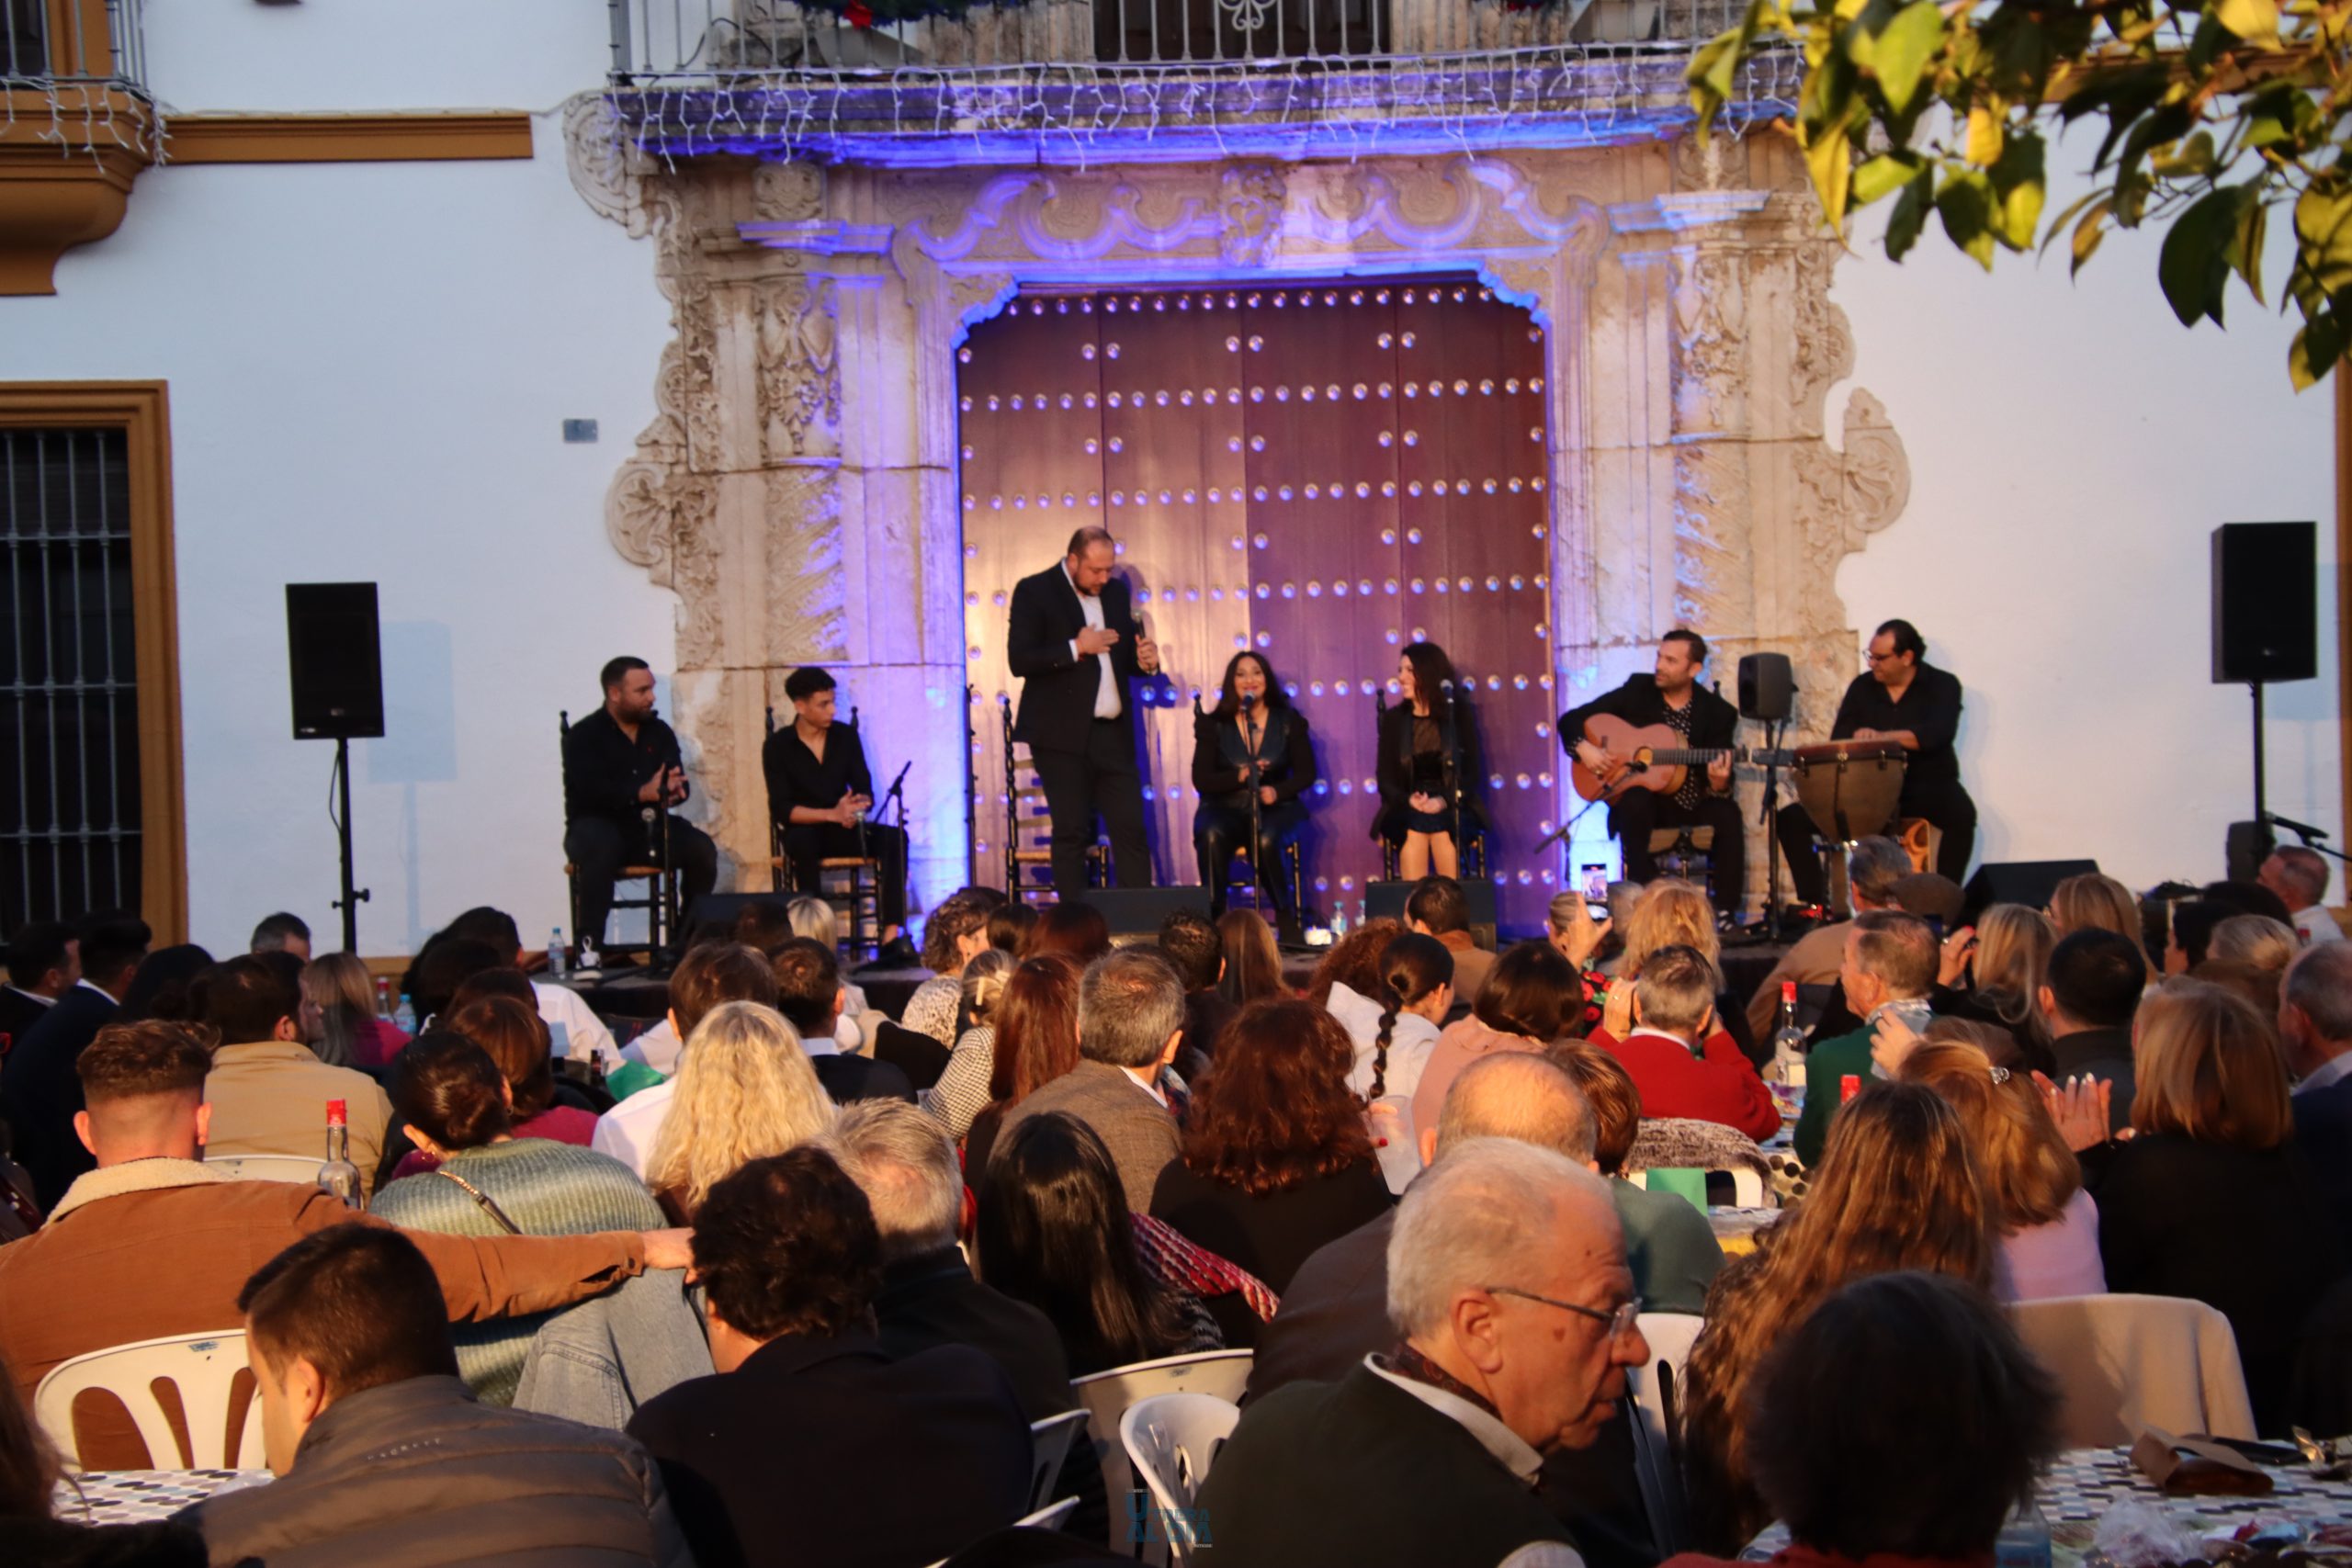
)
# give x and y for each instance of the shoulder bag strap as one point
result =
(489, 1205)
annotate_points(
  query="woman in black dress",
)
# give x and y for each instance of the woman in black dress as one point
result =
(1428, 758)
(1266, 733)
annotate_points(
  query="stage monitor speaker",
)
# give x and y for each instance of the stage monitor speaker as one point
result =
(2266, 602)
(1768, 687)
(723, 908)
(2027, 881)
(335, 661)
(1137, 911)
(1385, 901)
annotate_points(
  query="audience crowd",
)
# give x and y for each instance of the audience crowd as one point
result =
(780, 1277)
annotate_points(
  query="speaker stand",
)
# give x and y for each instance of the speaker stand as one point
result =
(1771, 927)
(352, 898)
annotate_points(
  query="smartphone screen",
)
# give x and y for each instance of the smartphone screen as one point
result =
(1596, 891)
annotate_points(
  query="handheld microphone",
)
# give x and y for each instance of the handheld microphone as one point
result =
(1247, 702)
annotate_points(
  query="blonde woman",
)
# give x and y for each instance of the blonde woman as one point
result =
(814, 918)
(2011, 957)
(339, 1021)
(1670, 912)
(962, 1091)
(745, 1090)
(2091, 900)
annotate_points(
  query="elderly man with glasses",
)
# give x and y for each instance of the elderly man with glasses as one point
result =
(1508, 1283)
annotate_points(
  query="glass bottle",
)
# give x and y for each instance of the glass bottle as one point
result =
(338, 1175)
(1788, 1042)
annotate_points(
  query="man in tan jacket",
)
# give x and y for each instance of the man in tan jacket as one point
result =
(153, 1243)
(268, 1094)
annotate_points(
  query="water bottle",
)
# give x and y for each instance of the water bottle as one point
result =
(2024, 1541)
(405, 1017)
(1788, 1043)
(555, 953)
(338, 1175)
(383, 998)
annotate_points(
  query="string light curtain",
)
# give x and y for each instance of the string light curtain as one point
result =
(1320, 472)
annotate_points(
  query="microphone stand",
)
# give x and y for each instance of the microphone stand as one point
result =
(1453, 775)
(1257, 823)
(2303, 830)
(1771, 829)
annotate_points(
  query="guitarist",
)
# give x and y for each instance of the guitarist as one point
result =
(1672, 697)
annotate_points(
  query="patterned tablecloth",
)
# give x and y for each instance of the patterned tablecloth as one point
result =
(2085, 1483)
(1736, 1228)
(126, 1497)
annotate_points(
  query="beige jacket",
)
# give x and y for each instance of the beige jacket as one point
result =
(270, 1098)
(1813, 960)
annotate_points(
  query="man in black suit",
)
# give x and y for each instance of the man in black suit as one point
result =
(812, 1446)
(808, 993)
(43, 963)
(40, 1092)
(622, 767)
(2089, 992)
(2315, 1024)
(1673, 697)
(1074, 642)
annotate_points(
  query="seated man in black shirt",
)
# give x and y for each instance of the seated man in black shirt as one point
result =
(1902, 698)
(820, 791)
(1672, 697)
(621, 766)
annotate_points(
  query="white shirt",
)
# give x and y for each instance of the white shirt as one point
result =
(1410, 1040)
(34, 996)
(627, 1131)
(820, 1045)
(659, 1048)
(1146, 1085)
(583, 1030)
(1106, 695)
(2327, 1074)
(2314, 924)
(1507, 1446)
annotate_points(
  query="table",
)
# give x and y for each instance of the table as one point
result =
(1736, 1228)
(129, 1497)
(2085, 1483)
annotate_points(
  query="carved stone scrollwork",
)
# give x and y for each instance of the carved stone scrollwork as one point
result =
(799, 381)
(808, 604)
(1823, 338)
(1710, 338)
(1250, 199)
(1877, 469)
(784, 193)
(606, 167)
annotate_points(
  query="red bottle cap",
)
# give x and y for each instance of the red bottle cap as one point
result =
(1849, 1086)
(337, 1116)
(1788, 990)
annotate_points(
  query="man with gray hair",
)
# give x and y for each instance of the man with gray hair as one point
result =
(2315, 1024)
(1130, 1022)
(1875, 869)
(1507, 1280)
(1891, 959)
(1336, 1311)
(904, 1163)
(1682, 1064)
(2299, 876)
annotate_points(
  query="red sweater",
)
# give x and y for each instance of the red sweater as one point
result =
(1720, 1086)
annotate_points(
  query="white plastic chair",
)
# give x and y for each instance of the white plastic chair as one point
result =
(1047, 1519)
(1747, 1187)
(1171, 1440)
(202, 1366)
(298, 1168)
(1655, 1388)
(1049, 1442)
(1107, 1395)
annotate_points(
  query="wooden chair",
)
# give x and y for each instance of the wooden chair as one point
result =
(850, 883)
(1028, 828)
(203, 1370)
(660, 901)
(1687, 852)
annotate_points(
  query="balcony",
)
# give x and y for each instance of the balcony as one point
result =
(77, 126)
(1090, 81)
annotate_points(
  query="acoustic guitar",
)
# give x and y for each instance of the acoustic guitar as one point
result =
(1651, 756)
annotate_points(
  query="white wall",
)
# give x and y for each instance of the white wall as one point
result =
(2071, 448)
(368, 366)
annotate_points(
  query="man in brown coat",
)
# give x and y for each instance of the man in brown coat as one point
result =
(1130, 1021)
(153, 1243)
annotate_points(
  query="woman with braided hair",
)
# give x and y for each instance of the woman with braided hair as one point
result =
(1395, 1029)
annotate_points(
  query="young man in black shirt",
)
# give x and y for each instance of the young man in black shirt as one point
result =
(621, 766)
(819, 790)
(1673, 697)
(1905, 699)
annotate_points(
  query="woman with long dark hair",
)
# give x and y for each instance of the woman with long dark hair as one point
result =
(1035, 1026)
(1253, 962)
(1276, 1160)
(1253, 733)
(1531, 998)
(1054, 1232)
(1395, 1028)
(1429, 756)
(1073, 929)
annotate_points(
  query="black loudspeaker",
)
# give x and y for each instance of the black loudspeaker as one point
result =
(334, 658)
(2247, 846)
(2027, 881)
(1768, 687)
(2266, 602)
(722, 908)
(1137, 911)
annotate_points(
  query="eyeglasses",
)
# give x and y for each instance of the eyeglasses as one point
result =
(1620, 1321)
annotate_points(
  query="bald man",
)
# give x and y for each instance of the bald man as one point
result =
(1508, 1285)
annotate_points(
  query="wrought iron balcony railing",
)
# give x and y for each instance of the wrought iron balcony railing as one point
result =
(1074, 80)
(75, 73)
